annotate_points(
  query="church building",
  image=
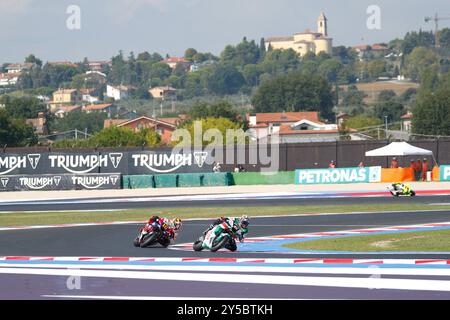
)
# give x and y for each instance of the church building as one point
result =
(307, 41)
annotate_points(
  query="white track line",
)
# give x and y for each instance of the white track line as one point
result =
(394, 284)
(361, 270)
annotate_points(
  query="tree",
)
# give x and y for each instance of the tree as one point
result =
(431, 114)
(144, 56)
(414, 39)
(361, 121)
(246, 52)
(330, 69)
(221, 124)
(278, 62)
(225, 79)
(376, 68)
(444, 38)
(32, 59)
(295, 92)
(386, 95)
(221, 109)
(23, 107)
(92, 122)
(189, 54)
(14, 132)
(251, 74)
(118, 137)
(391, 109)
(419, 60)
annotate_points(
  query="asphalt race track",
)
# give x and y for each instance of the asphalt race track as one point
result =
(202, 201)
(226, 278)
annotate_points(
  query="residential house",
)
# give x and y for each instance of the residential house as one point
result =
(95, 76)
(108, 108)
(39, 124)
(406, 122)
(174, 62)
(163, 92)
(291, 127)
(19, 67)
(163, 128)
(63, 97)
(378, 50)
(9, 79)
(117, 92)
(98, 65)
(89, 95)
(62, 111)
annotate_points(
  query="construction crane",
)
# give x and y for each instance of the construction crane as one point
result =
(436, 31)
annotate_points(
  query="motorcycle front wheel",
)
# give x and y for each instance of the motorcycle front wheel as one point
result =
(217, 245)
(197, 246)
(148, 239)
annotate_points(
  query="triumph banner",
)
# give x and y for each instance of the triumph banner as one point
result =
(338, 175)
(127, 163)
(60, 182)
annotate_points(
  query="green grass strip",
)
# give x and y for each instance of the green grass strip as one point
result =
(45, 218)
(432, 241)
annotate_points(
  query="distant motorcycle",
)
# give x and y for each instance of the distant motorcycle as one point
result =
(221, 236)
(401, 190)
(150, 235)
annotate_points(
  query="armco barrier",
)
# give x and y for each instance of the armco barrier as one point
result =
(257, 178)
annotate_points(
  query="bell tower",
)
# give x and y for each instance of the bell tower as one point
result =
(322, 25)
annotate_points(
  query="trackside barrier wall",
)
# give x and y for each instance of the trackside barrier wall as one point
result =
(138, 182)
(166, 180)
(177, 180)
(397, 174)
(258, 178)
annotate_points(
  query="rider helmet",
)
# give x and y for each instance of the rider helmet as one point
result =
(244, 221)
(176, 224)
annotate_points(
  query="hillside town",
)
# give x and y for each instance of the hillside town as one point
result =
(364, 92)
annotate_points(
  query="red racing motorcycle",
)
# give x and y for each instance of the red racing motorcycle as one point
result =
(152, 234)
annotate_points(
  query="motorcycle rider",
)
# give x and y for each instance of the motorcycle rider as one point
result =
(169, 228)
(402, 188)
(239, 229)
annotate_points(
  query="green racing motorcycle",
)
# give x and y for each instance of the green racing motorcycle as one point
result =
(221, 236)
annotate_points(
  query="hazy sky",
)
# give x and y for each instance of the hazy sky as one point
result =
(171, 26)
